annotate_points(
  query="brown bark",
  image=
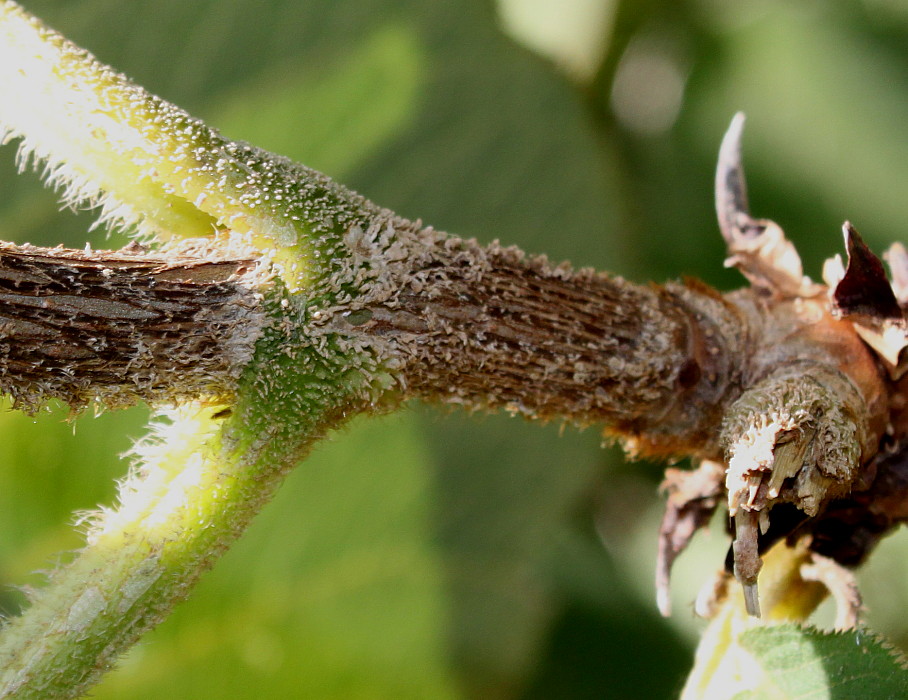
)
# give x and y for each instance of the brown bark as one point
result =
(485, 327)
(120, 326)
(488, 328)
(780, 391)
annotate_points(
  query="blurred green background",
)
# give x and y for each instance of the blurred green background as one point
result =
(430, 554)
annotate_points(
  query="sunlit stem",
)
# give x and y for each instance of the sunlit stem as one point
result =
(190, 494)
(150, 165)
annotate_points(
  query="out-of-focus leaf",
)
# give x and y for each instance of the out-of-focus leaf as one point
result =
(334, 117)
(483, 575)
(49, 469)
(337, 591)
(826, 96)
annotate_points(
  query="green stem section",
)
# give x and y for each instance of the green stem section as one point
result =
(147, 163)
(196, 483)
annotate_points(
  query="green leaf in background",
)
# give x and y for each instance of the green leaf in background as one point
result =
(827, 107)
(49, 470)
(334, 118)
(791, 662)
(338, 590)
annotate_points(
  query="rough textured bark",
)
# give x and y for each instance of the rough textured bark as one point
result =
(776, 382)
(117, 326)
(485, 328)
(491, 328)
(787, 393)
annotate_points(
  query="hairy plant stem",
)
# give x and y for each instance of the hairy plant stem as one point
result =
(308, 304)
(195, 484)
(489, 328)
(447, 320)
(483, 327)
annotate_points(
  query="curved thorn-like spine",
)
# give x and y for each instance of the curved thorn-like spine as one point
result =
(757, 247)
(841, 584)
(732, 208)
(692, 499)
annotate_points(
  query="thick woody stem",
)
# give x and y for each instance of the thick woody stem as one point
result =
(489, 328)
(120, 326)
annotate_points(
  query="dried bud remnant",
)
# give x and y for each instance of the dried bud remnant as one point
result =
(814, 403)
(795, 437)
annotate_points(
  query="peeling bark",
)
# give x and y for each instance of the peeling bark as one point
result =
(790, 395)
(488, 328)
(783, 401)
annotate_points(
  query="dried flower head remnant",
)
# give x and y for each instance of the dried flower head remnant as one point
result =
(278, 304)
(818, 414)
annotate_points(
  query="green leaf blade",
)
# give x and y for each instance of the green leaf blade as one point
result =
(796, 663)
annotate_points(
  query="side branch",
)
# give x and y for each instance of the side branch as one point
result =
(120, 326)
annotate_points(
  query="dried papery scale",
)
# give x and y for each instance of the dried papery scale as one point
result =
(862, 294)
